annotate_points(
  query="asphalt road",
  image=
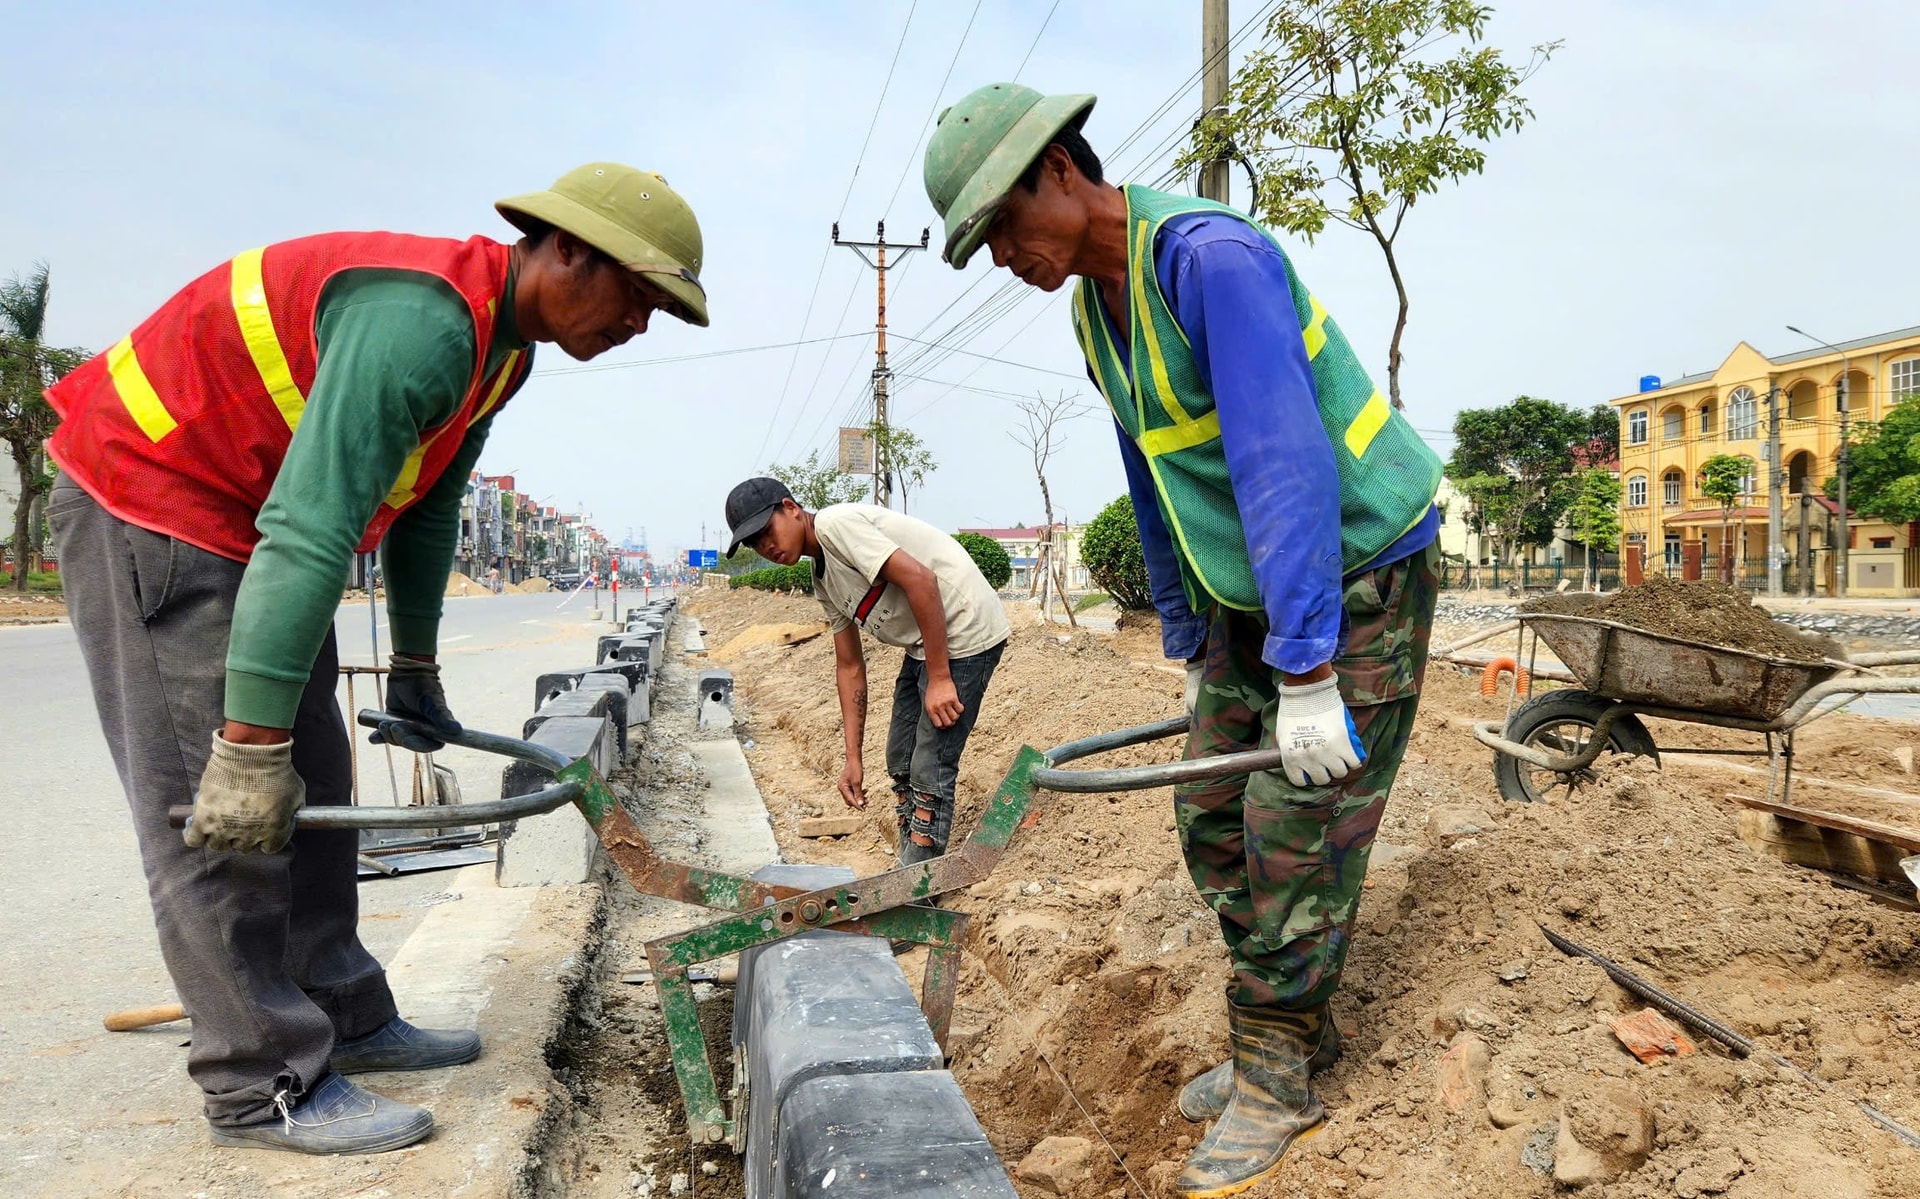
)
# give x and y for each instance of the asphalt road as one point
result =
(76, 936)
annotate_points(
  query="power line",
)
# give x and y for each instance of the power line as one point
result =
(592, 368)
(877, 106)
(931, 110)
(1036, 40)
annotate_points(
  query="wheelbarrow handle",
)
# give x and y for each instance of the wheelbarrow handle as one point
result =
(1143, 778)
(429, 816)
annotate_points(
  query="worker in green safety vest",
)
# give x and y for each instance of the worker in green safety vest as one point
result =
(1286, 516)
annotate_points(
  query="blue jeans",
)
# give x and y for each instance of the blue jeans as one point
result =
(923, 760)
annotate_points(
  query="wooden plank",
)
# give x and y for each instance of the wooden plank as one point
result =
(1900, 838)
(1821, 848)
(831, 826)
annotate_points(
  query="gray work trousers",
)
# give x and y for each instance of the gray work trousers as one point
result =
(264, 949)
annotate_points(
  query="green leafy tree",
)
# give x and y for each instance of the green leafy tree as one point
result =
(1883, 467)
(816, 484)
(903, 460)
(1594, 516)
(1110, 550)
(27, 367)
(1515, 464)
(989, 555)
(1723, 478)
(1351, 110)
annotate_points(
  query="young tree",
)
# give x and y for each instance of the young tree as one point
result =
(1514, 464)
(1351, 110)
(1723, 478)
(27, 367)
(816, 484)
(902, 458)
(1594, 515)
(1040, 434)
(1110, 547)
(1883, 467)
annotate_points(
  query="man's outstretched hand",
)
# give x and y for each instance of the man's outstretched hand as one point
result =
(414, 692)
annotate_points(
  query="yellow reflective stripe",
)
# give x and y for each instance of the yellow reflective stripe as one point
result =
(263, 345)
(1315, 334)
(143, 403)
(402, 493)
(1373, 418)
(1105, 369)
(499, 385)
(1155, 442)
(1143, 316)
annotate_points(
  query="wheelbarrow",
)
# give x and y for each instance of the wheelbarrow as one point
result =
(892, 905)
(1556, 741)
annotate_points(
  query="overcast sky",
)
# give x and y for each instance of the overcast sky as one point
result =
(1700, 171)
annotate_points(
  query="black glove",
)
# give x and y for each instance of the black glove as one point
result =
(414, 692)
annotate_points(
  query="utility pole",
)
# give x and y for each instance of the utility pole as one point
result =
(1213, 90)
(1774, 553)
(882, 377)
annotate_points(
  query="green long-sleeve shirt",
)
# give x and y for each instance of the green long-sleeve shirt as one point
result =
(395, 354)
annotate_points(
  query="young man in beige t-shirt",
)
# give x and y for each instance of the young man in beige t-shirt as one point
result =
(911, 586)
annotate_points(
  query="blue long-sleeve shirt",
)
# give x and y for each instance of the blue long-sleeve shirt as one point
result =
(1227, 286)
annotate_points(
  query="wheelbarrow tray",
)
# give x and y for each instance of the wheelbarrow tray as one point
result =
(1635, 666)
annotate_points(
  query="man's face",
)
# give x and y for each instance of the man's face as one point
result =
(595, 304)
(1037, 234)
(783, 540)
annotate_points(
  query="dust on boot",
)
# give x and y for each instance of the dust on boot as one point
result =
(1269, 1108)
(1206, 1096)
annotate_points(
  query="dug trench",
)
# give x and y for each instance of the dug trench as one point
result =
(1479, 1060)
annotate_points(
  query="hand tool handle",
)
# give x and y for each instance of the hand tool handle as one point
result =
(144, 1017)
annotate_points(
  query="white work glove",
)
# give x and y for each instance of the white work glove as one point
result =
(1194, 668)
(248, 795)
(1315, 733)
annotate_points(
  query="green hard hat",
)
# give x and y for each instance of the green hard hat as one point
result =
(632, 217)
(980, 148)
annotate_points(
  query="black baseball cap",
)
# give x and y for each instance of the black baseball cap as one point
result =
(750, 506)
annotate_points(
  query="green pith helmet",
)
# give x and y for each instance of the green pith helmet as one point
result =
(980, 148)
(632, 217)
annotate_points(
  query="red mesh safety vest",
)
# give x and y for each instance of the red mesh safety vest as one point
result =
(181, 428)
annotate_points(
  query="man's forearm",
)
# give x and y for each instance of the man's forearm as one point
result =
(923, 597)
(851, 681)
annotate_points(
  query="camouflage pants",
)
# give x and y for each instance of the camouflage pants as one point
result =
(1281, 865)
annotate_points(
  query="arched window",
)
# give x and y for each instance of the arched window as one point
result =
(1637, 491)
(1904, 379)
(1749, 482)
(1637, 427)
(1673, 485)
(1706, 418)
(1743, 415)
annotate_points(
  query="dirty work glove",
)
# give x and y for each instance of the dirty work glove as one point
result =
(413, 691)
(1194, 668)
(248, 795)
(1315, 733)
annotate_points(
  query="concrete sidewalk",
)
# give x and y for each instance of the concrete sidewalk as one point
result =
(86, 1112)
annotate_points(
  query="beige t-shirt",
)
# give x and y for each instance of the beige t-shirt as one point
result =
(855, 542)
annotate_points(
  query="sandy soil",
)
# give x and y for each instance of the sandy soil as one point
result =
(30, 608)
(1093, 975)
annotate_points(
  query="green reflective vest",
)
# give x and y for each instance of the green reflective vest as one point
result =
(1388, 475)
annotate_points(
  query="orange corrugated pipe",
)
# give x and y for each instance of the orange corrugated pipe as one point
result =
(1490, 677)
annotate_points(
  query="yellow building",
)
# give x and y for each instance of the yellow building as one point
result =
(1668, 429)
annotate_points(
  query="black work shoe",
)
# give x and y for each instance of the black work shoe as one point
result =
(397, 1045)
(334, 1117)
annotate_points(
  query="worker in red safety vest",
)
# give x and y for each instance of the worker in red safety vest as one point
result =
(219, 466)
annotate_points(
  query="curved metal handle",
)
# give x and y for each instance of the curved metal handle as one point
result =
(433, 816)
(1143, 778)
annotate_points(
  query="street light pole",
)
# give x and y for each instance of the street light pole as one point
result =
(1840, 462)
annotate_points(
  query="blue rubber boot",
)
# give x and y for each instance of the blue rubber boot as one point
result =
(335, 1117)
(397, 1045)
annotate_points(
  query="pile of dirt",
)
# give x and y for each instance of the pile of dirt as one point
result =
(1093, 972)
(1706, 612)
(29, 608)
(533, 586)
(461, 584)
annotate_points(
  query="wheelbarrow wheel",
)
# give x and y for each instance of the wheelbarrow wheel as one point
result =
(1562, 722)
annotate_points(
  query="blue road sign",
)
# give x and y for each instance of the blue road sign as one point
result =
(703, 559)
